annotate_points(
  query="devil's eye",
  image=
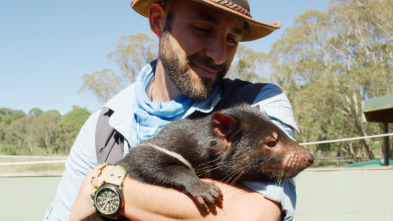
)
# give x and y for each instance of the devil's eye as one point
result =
(271, 144)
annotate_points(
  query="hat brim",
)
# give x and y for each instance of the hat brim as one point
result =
(257, 29)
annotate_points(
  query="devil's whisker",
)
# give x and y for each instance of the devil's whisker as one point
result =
(208, 162)
(207, 167)
(228, 177)
(208, 170)
(238, 176)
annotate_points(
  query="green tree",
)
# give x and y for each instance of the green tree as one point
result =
(35, 112)
(329, 62)
(7, 116)
(44, 130)
(17, 134)
(69, 126)
(103, 84)
(132, 54)
(250, 65)
(3, 127)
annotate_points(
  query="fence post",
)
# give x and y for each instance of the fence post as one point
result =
(386, 143)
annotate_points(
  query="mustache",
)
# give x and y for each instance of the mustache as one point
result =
(206, 61)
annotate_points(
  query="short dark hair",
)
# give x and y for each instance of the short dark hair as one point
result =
(169, 6)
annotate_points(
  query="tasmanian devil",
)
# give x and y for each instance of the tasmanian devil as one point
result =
(235, 144)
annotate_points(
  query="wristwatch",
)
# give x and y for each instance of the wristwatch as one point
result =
(108, 199)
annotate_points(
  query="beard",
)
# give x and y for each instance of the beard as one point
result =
(179, 71)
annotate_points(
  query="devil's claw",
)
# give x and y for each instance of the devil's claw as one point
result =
(217, 194)
(207, 196)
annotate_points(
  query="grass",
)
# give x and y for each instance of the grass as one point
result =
(52, 168)
(9, 149)
(11, 154)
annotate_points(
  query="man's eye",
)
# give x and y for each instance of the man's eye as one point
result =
(203, 30)
(232, 41)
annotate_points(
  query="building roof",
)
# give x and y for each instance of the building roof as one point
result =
(379, 109)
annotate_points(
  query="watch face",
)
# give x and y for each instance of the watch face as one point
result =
(107, 199)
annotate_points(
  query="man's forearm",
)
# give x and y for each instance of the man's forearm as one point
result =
(148, 202)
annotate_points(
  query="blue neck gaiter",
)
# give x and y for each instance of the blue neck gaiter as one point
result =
(150, 117)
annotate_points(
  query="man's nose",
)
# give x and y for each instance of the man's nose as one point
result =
(216, 51)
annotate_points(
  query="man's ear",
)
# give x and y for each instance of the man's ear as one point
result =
(223, 125)
(157, 16)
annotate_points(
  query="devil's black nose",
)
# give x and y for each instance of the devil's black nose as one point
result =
(310, 159)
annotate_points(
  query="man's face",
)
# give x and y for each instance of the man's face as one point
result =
(197, 47)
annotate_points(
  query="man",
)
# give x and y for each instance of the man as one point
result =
(197, 42)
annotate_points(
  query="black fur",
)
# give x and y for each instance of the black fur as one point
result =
(238, 143)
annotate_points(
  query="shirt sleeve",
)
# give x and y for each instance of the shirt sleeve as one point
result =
(272, 101)
(81, 160)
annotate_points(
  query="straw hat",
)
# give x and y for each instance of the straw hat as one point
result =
(239, 8)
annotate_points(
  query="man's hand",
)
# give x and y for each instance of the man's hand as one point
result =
(83, 208)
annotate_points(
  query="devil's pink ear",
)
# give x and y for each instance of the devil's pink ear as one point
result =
(223, 125)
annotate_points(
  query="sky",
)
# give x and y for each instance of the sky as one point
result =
(46, 46)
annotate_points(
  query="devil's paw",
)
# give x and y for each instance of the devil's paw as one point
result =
(206, 195)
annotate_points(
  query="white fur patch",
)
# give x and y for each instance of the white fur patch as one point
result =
(172, 154)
